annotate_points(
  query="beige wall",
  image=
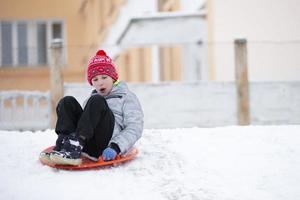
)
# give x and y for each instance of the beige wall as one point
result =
(272, 29)
(84, 28)
(170, 57)
(134, 65)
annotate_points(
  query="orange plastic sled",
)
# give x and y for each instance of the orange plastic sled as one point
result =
(89, 164)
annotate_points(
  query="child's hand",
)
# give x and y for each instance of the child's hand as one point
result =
(109, 154)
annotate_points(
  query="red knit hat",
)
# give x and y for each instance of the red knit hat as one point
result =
(101, 64)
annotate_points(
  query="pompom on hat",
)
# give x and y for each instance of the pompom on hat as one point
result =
(101, 64)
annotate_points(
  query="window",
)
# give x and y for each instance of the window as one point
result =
(27, 43)
(56, 30)
(41, 44)
(6, 43)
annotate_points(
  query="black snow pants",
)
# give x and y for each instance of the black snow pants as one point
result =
(95, 122)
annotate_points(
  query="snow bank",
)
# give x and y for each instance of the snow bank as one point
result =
(255, 162)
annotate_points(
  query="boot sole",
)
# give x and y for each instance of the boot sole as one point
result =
(58, 160)
(46, 159)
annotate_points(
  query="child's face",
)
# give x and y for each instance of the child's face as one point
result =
(103, 84)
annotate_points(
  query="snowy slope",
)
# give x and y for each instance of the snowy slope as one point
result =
(255, 162)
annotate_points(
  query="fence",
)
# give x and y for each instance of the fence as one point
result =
(21, 110)
(170, 105)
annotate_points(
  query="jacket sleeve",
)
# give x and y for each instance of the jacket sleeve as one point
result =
(133, 124)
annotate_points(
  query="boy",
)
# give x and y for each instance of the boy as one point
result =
(110, 123)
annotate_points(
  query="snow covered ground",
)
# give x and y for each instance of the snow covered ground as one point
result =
(236, 163)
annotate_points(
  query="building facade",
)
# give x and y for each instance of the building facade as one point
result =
(28, 27)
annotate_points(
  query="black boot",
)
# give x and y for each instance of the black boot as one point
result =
(59, 142)
(70, 151)
(45, 156)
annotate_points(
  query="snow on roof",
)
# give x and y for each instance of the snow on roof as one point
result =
(163, 28)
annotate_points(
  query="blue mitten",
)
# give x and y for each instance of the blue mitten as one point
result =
(109, 154)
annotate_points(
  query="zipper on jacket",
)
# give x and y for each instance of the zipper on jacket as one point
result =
(114, 96)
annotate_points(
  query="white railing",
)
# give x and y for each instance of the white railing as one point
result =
(201, 104)
(24, 110)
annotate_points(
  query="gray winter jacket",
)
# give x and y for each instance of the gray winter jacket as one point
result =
(128, 114)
